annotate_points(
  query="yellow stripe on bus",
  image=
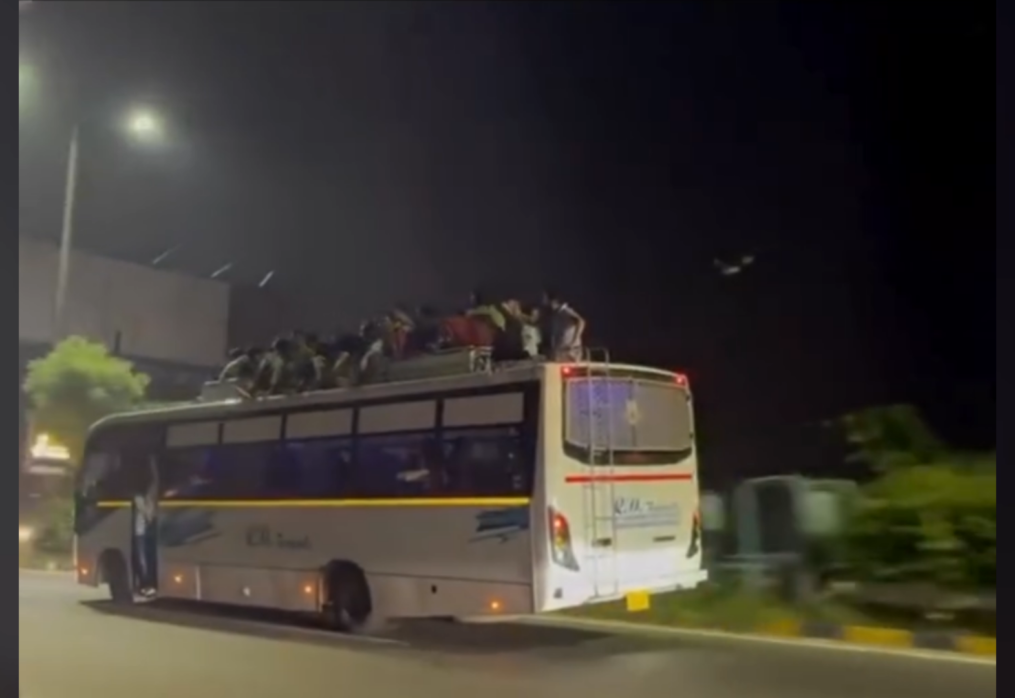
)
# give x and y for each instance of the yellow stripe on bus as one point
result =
(302, 503)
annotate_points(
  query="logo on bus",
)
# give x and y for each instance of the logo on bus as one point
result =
(260, 536)
(635, 512)
(501, 524)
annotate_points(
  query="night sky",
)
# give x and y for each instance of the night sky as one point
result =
(377, 152)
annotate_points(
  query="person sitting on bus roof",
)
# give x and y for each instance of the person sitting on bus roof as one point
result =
(304, 364)
(241, 369)
(567, 328)
(265, 362)
(277, 374)
(482, 308)
(237, 361)
(348, 349)
(355, 353)
(531, 334)
(373, 333)
(325, 357)
(403, 315)
(401, 324)
(510, 344)
(461, 331)
(425, 335)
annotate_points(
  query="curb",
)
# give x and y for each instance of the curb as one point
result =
(890, 638)
(856, 635)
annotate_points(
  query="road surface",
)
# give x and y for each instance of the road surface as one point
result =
(73, 644)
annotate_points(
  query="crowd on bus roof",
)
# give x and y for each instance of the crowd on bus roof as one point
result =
(303, 361)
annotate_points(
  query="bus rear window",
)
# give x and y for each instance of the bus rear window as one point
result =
(627, 421)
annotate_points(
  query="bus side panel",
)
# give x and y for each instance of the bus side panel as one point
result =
(103, 529)
(420, 560)
(565, 577)
(539, 528)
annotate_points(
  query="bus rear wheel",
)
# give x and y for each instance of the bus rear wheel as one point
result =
(117, 577)
(347, 604)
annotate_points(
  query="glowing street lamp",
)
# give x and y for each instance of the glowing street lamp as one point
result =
(145, 125)
(142, 125)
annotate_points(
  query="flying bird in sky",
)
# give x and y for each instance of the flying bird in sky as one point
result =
(733, 267)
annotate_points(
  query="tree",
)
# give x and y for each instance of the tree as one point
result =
(890, 437)
(56, 530)
(928, 523)
(78, 383)
(931, 514)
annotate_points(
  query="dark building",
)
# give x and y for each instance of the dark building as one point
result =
(173, 327)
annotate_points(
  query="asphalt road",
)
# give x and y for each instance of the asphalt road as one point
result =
(73, 644)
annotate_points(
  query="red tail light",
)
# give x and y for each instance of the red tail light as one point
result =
(561, 549)
(560, 530)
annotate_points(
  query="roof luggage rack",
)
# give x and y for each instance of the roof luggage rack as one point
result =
(448, 362)
(221, 391)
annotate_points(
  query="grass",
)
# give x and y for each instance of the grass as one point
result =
(733, 608)
(726, 608)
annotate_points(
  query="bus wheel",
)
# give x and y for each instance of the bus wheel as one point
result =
(347, 604)
(115, 574)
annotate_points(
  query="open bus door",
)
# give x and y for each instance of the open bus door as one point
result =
(144, 534)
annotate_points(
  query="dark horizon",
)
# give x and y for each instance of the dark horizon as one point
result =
(374, 153)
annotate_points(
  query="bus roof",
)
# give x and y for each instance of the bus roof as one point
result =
(502, 375)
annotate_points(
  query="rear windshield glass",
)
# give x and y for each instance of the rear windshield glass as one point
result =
(627, 416)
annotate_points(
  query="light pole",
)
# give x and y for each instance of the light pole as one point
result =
(66, 237)
(142, 125)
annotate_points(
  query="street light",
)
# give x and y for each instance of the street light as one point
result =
(142, 125)
(145, 125)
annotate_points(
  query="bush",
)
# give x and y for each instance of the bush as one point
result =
(929, 523)
(55, 535)
(75, 385)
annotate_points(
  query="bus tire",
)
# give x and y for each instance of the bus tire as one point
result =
(347, 604)
(117, 577)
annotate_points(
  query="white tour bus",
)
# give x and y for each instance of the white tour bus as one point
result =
(516, 490)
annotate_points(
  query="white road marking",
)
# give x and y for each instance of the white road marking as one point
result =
(834, 645)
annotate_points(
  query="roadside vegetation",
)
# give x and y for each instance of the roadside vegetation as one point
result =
(69, 389)
(918, 547)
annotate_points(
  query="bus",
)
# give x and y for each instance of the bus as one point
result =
(474, 493)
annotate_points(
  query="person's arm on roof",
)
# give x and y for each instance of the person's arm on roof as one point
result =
(579, 321)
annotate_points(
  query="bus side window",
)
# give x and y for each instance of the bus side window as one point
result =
(98, 466)
(404, 465)
(283, 476)
(319, 468)
(187, 473)
(488, 462)
(110, 480)
(244, 471)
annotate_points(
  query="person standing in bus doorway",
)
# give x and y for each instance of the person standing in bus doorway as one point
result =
(145, 531)
(567, 328)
